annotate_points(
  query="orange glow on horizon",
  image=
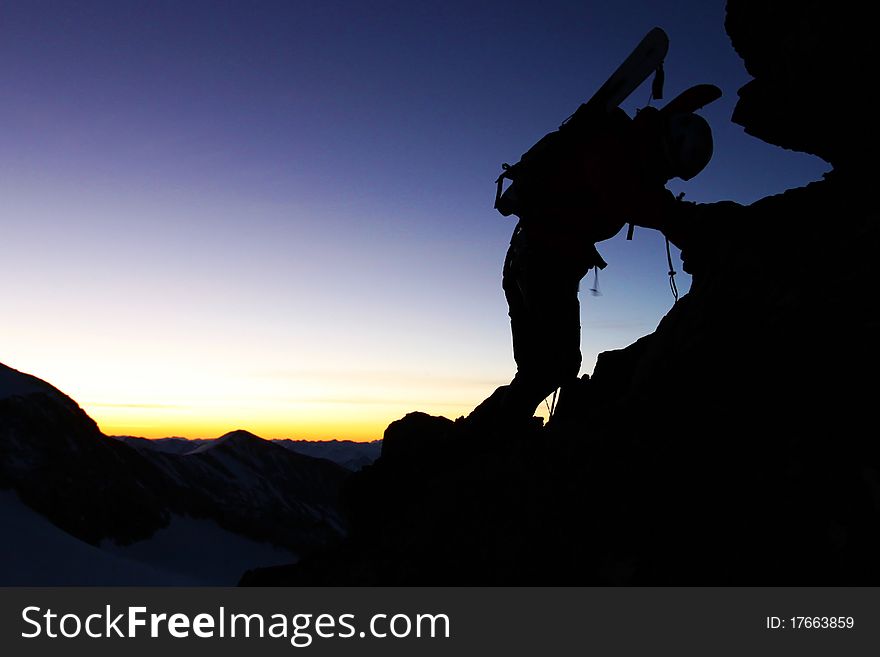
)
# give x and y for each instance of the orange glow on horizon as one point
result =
(213, 429)
(339, 416)
(190, 425)
(190, 391)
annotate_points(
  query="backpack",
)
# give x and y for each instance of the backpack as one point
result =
(541, 173)
(549, 171)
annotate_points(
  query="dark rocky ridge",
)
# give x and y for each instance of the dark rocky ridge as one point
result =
(59, 463)
(735, 444)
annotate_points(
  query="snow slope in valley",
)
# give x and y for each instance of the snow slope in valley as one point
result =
(189, 552)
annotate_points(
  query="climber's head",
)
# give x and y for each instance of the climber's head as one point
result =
(687, 144)
(683, 139)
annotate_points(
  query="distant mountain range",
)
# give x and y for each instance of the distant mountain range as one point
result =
(347, 453)
(192, 499)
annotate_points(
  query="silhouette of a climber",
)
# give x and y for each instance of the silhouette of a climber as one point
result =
(618, 176)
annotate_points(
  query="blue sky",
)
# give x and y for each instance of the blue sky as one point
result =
(278, 215)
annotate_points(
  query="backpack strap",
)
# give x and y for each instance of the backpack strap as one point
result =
(505, 173)
(657, 82)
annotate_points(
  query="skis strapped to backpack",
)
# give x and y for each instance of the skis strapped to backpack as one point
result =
(555, 149)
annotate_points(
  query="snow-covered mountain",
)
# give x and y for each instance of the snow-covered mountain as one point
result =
(117, 494)
(262, 489)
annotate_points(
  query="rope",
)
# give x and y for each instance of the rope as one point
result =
(672, 272)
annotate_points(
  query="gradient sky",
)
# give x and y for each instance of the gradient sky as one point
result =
(278, 215)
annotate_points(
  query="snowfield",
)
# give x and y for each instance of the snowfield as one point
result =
(188, 552)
